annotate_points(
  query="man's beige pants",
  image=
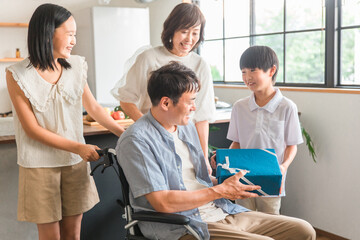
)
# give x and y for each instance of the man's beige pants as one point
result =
(259, 226)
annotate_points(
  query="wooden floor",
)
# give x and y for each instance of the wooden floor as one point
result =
(323, 235)
(322, 238)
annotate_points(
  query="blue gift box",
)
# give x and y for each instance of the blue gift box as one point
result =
(262, 164)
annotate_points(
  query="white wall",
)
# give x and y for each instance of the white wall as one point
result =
(10, 39)
(325, 193)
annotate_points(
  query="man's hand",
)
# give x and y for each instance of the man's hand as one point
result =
(233, 189)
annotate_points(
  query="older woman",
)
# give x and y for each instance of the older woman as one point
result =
(183, 32)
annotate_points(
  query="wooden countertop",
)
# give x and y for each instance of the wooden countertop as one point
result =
(7, 139)
(221, 117)
(88, 131)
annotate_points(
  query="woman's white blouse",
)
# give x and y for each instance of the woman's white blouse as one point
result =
(135, 89)
(57, 108)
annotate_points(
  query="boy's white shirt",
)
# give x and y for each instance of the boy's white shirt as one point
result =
(275, 125)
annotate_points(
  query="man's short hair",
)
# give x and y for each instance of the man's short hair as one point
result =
(261, 57)
(171, 80)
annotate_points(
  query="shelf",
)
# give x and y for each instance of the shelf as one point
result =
(11, 59)
(7, 24)
(4, 24)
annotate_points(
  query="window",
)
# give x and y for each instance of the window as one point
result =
(350, 43)
(303, 34)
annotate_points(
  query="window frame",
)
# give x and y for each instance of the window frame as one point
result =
(338, 49)
(332, 30)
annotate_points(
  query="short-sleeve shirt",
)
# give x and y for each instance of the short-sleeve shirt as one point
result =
(146, 152)
(135, 89)
(57, 108)
(275, 125)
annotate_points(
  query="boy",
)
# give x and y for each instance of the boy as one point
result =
(266, 119)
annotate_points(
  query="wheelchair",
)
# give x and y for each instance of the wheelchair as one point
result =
(109, 159)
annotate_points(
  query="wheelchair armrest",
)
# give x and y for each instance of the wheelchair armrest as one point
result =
(170, 218)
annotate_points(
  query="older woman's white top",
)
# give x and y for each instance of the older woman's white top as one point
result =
(135, 89)
(57, 108)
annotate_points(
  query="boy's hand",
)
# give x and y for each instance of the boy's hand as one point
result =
(213, 160)
(214, 180)
(283, 171)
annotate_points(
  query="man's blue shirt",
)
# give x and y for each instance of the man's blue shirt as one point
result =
(146, 152)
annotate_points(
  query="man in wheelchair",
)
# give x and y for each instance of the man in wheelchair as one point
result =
(164, 164)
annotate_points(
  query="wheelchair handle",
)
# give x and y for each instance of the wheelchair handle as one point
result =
(108, 155)
(100, 152)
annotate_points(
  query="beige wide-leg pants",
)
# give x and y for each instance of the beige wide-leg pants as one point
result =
(259, 226)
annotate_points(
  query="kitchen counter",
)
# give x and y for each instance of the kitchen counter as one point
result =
(88, 131)
(222, 116)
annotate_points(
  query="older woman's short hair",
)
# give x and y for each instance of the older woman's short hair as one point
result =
(183, 16)
(46, 18)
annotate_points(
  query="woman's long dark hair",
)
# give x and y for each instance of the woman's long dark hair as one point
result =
(46, 18)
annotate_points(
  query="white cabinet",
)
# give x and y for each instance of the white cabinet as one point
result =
(108, 37)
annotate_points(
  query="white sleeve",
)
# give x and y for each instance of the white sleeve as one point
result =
(133, 84)
(293, 135)
(232, 134)
(205, 102)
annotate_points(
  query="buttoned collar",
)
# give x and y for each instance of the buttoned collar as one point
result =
(157, 125)
(270, 106)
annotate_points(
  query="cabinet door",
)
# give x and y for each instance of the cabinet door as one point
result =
(118, 33)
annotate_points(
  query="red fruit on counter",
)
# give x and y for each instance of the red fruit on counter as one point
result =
(118, 115)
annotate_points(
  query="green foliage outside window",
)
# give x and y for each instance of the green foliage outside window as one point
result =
(215, 73)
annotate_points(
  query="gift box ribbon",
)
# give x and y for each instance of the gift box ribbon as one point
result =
(227, 167)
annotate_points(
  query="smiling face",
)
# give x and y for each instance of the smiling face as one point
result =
(64, 39)
(257, 79)
(184, 40)
(179, 114)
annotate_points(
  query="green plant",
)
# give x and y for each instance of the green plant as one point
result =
(309, 143)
